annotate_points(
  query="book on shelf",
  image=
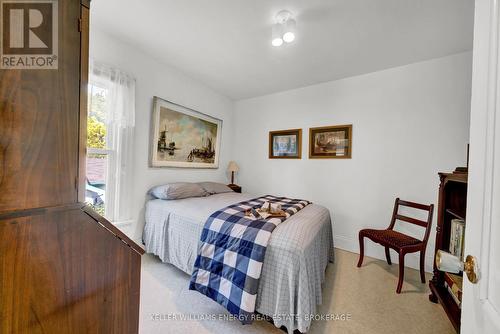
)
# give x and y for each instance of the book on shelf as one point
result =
(457, 231)
(455, 299)
(453, 284)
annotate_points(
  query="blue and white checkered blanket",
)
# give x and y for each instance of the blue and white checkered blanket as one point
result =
(231, 253)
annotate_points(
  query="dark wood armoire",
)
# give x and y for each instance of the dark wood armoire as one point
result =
(64, 269)
(452, 205)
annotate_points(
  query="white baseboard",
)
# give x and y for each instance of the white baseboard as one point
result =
(376, 251)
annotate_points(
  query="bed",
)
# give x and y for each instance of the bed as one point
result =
(295, 261)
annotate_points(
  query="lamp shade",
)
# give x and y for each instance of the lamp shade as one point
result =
(233, 167)
(448, 262)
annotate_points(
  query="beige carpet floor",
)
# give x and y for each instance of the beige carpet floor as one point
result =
(366, 294)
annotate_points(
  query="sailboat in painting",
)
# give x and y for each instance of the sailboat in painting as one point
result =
(162, 143)
(206, 153)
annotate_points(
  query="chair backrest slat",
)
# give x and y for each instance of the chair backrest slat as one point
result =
(414, 205)
(411, 220)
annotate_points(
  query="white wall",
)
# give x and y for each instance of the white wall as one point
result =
(409, 123)
(155, 78)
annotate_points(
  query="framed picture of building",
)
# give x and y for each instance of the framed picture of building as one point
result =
(285, 144)
(330, 142)
(182, 137)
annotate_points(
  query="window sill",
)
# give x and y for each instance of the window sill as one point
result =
(123, 223)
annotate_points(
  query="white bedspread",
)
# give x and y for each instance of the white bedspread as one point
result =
(295, 261)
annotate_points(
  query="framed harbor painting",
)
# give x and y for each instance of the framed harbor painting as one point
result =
(182, 137)
(285, 144)
(330, 142)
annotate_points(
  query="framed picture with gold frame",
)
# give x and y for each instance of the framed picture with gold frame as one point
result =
(285, 144)
(330, 142)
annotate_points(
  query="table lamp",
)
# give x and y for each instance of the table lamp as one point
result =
(232, 167)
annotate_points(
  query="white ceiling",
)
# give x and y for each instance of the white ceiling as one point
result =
(226, 44)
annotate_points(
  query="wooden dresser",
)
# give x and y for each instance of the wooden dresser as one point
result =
(64, 268)
(452, 205)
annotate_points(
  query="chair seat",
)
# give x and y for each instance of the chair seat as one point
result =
(391, 238)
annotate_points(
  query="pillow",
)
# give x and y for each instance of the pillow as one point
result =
(215, 188)
(178, 190)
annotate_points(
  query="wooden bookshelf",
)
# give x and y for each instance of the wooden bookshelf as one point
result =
(454, 214)
(452, 204)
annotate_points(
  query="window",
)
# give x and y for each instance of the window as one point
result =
(110, 125)
(97, 150)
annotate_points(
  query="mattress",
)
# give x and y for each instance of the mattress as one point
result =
(295, 262)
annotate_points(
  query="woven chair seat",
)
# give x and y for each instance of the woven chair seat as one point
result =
(390, 237)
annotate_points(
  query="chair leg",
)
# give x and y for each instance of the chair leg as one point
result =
(422, 264)
(361, 250)
(388, 255)
(401, 271)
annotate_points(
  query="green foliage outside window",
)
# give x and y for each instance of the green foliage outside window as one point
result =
(98, 208)
(96, 127)
(96, 133)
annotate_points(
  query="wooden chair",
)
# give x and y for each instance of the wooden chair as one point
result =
(401, 243)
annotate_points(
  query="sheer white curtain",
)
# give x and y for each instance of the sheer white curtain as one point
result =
(120, 122)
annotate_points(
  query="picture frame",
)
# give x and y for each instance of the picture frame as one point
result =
(285, 144)
(182, 137)
(330, 142)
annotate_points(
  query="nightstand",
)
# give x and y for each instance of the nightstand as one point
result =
(236, 188)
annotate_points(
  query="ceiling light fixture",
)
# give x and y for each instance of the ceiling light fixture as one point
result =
(284, 29)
